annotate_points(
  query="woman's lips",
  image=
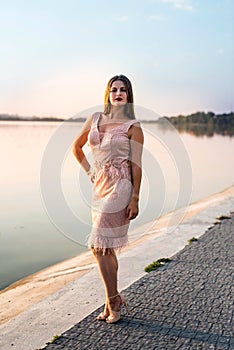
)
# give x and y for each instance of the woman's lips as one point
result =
(118, 99)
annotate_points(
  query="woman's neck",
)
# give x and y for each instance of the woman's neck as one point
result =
(117, 112)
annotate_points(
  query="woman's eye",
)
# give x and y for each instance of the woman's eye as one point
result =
(122, 90)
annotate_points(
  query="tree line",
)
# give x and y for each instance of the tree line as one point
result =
(201, 123)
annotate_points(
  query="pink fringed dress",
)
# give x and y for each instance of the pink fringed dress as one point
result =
(112, 186)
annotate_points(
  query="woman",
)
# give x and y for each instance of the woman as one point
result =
(116, 140)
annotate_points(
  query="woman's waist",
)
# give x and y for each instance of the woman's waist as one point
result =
(112, 169)
(116, 162)
(112, 165)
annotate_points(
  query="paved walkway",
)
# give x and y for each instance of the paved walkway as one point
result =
(187, 304)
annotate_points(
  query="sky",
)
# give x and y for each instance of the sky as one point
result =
(56, 56)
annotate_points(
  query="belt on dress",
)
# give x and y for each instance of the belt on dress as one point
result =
(113, 166)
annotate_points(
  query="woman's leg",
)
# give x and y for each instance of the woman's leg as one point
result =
(108, 266)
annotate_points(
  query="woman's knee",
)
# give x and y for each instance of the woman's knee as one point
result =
(103, 251)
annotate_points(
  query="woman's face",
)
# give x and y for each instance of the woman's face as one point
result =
(118, 93)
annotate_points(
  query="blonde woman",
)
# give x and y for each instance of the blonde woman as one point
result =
(116, 140)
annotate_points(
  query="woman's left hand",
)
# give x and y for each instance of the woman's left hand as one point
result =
(132, 209)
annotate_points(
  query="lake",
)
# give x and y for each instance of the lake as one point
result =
(45, 195)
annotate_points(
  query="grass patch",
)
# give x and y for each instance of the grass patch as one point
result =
(223, 217)
(156, 264)
(191, 240)
(53, 340)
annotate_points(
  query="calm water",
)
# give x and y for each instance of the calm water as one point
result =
(45, 198)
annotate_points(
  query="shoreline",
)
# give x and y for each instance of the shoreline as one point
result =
(24, 293)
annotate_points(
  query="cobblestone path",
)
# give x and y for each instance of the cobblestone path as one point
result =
(186, 304)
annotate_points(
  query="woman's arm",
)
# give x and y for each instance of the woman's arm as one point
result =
(136, 140)
(79, 144)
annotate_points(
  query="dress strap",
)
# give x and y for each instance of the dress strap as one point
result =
(96, 116)
(127, 125)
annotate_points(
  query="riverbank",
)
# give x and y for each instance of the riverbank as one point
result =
(20, 296)
(24, 293)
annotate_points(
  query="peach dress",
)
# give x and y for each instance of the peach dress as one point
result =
(112, 185)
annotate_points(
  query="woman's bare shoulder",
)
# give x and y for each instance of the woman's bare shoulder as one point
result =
(135, 131)
(89, 121)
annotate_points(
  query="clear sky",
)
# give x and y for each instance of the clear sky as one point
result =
(56, 56)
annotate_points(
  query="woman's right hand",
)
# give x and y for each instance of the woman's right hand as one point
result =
(91, 174)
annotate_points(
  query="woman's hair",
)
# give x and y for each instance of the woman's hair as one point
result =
(129, 109)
